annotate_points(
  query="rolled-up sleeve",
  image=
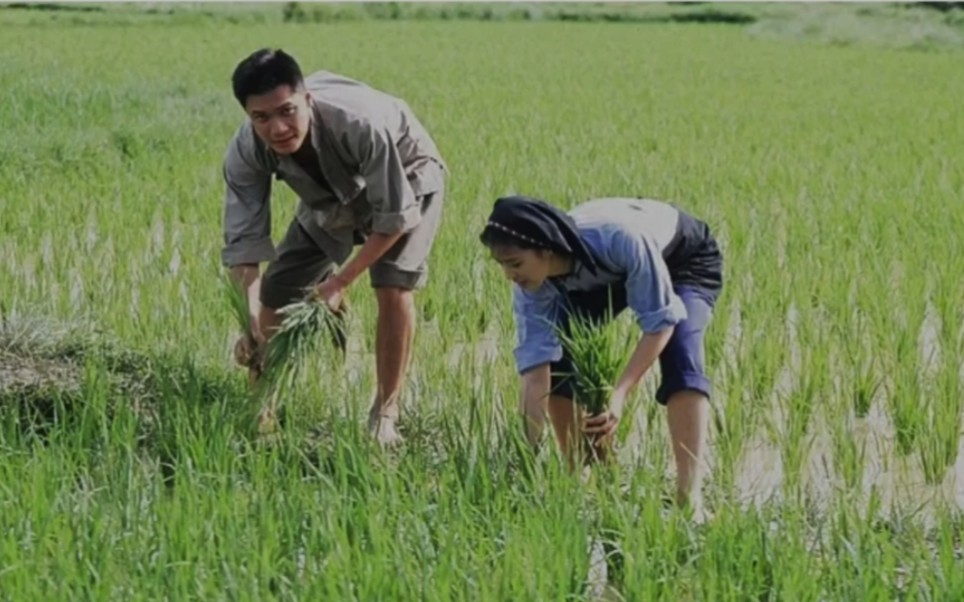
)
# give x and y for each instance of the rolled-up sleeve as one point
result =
(649, 288)
(394, 205)
(247, 209)
(535, 318)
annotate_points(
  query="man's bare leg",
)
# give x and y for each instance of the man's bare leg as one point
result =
(393, 345)
(269, 320)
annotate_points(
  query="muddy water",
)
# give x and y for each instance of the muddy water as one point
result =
(897, 480)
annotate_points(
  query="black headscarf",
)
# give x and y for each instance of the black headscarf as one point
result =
(538, 223)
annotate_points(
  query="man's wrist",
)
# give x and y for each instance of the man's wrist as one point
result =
(341, 280)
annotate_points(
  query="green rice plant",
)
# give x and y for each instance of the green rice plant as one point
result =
(857, 380)
(768, 354)
(864, 383)
(938, 449)
(906, 404)
(811, 390)
(730, 433)
(849, 452)
(944, 399)
(946, 568)
(908, 416)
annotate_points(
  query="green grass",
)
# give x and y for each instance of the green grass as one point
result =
(830, 174)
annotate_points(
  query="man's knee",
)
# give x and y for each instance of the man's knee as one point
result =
(268, 322)
(390, 297)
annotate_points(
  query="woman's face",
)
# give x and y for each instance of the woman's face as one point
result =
(528, 268)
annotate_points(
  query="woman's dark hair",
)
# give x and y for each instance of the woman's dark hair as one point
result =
(263, 71)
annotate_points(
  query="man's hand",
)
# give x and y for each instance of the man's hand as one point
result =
(248, 352)
(244, 350)
(247, 277)
(331, 292)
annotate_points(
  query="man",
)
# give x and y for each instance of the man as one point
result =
(366, 172)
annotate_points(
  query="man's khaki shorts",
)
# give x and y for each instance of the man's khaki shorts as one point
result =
(302, 264)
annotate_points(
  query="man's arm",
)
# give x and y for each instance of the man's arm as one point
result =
(246, 220)
(376, 245)
(247, 277)
(395, 208)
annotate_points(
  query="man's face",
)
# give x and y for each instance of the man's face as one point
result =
(528, 268)
(280, 118)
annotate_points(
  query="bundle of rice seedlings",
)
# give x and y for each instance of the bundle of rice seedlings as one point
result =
(302, 332)
(599, 352)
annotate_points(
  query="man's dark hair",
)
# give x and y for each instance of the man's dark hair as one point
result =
(263, 71)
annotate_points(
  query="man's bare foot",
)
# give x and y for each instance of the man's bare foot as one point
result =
(268, 422)
(383, 430)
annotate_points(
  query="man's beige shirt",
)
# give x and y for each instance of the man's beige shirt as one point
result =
(377, 159)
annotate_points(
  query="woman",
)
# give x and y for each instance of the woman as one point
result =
(606, 254)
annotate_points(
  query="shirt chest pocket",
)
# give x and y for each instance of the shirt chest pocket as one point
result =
(330, 212)
(314, 195)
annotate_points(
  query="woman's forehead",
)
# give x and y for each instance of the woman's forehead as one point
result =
(509, 252)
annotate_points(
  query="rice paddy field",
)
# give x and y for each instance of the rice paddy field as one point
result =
(831, 174)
